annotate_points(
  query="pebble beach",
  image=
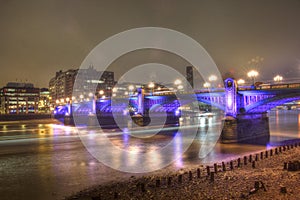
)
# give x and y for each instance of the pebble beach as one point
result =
(263, 175)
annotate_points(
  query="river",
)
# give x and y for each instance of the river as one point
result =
(42, 159)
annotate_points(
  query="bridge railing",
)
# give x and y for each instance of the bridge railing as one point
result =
(278, 86)
(270, 86)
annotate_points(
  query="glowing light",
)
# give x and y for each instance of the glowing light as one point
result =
(101, 92)
(241, 81)
(212, 78)
(206, 85)
(180, 87)
(151, 85)
(131, 87)
(67, 99)
(177, 113)
(252, 74)
(91, 94)
(278, 78)
(177, 82)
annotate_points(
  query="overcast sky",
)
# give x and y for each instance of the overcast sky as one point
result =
(38, 38)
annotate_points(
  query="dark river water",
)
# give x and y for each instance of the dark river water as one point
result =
(42, 159)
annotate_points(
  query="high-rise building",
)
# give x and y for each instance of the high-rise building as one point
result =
(61, 86)
(190, 76)
(87, 80)
(19, 98)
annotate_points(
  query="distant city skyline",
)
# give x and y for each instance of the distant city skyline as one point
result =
(39, 38)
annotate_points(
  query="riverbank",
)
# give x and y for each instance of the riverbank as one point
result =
(231, 180)
(18, 117)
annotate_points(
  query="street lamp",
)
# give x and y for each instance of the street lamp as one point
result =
(101, 92)
(252, 74)
(81, 97)
(177, 82)
(278, 78)
(206, 85)
(212, 78)
(241, 81)
(180, 87)
(131, 88)
(151, 85)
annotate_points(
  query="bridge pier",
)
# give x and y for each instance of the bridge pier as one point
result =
(246, 128)
(69, 120)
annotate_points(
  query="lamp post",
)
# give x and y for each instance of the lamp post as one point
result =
(177, 82)
(81, 97)
(130, 88)
(151, 85)
(252, 74)
(206, 85)
(241, 82)
(212, 78)
(278, 78)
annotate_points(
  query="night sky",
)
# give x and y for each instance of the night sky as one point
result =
(38, 38)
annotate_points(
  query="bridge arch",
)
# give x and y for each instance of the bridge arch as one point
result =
(269, 103)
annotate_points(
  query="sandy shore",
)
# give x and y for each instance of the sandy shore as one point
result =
(273, 182)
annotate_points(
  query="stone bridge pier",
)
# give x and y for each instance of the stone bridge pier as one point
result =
(240, 126)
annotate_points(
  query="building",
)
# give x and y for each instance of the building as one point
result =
(44, 101)
(61, 86)
(87, 80)
(19, 98)
(190, 76)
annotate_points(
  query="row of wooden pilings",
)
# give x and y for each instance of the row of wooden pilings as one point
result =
(209, 172)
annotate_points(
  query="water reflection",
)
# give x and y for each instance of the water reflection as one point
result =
(54, 163)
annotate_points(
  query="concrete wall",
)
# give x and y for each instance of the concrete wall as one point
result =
(246, 128)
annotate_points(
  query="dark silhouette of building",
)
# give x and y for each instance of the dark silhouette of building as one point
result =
(190, 76)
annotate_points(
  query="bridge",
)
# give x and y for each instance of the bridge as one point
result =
(244, 107)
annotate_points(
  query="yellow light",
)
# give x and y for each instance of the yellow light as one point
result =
(240, 81)
(212, 78)
(252, 73)
(177, 82)
(151, 85)
(130, 87)
(278, 78)
(101, 92)
(206, 84)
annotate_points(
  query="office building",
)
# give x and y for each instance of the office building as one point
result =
(19, 98)
(88, 81)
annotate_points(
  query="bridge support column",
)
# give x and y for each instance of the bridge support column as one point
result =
(246, 128)
(92, 120)
(69, 120)
(141, 99)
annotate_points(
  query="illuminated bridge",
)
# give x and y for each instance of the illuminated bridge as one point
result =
(244, 107)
